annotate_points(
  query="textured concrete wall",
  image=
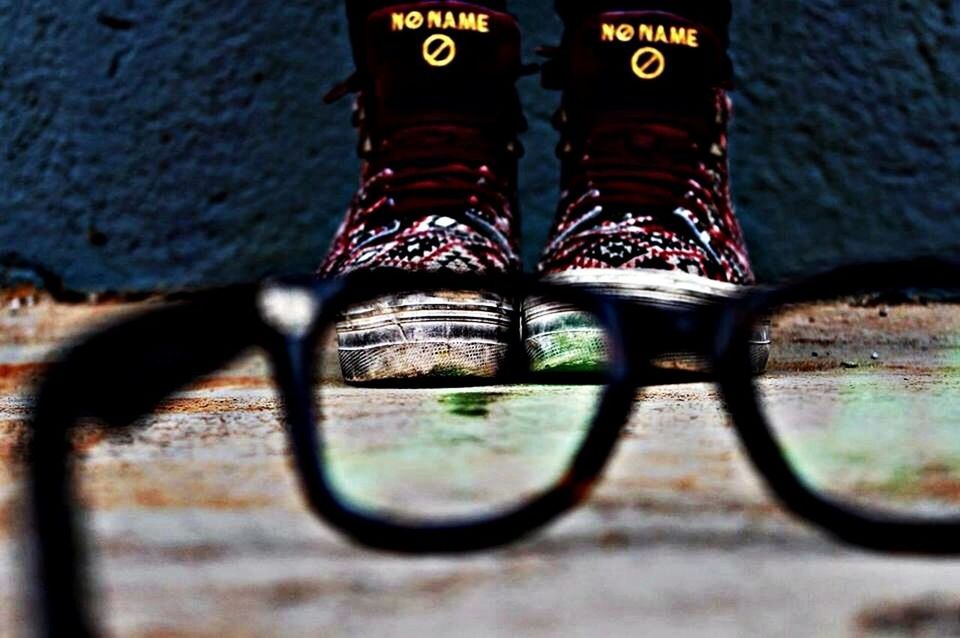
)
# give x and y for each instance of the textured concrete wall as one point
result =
(149, 143)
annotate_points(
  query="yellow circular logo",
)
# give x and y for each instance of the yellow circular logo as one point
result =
(439, 50)
(648, 63)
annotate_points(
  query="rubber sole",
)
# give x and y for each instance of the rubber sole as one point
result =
(443, 337)
(560, 338)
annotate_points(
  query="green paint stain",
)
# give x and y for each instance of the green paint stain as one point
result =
(469, 404)
(890, 442)
(454, 454)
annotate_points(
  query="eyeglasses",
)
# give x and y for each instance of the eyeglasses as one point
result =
(854, 426)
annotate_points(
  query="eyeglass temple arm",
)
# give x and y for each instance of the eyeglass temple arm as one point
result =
(116, 377)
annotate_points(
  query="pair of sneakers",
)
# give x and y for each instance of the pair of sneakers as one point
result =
(644, 210)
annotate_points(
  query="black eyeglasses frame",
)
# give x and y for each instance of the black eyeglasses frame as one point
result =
(122, 373)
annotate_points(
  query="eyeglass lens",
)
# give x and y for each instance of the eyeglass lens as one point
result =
(506, 431)
(876, 424)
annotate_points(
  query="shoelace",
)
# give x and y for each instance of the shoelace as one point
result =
(440, 167)
(445, 165)
(432, 165)
(641, 163)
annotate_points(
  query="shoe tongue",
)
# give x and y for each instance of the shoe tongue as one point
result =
(431, 57)
(628, 58)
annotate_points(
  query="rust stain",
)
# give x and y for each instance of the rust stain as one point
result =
(13, 440)
(11, 518)
(938, 481)
(176, 485)
(151, 497)
(216, 383)
(98, 496)
(165, 498)
(87, 437)
(946, 489)
(181, 405)
(20, 291)
(16, 375)
(14, 435)
(685, 484)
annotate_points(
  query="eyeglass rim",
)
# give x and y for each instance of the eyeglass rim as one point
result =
(729, 356)
(228, 315)
(858, 526)
(465, 535)
(730, 359)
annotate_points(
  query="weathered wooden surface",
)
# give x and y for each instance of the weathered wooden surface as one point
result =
(198, 530)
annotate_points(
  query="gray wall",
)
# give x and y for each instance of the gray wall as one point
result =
(158, 144)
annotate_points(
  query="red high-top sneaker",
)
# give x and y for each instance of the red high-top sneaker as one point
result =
(645, 210)
(439, 117)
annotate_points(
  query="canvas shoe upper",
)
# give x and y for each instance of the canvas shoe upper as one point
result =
(438, 117)
(643, 125)
(645, 210)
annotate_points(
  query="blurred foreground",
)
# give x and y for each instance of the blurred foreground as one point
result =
(199, 530)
